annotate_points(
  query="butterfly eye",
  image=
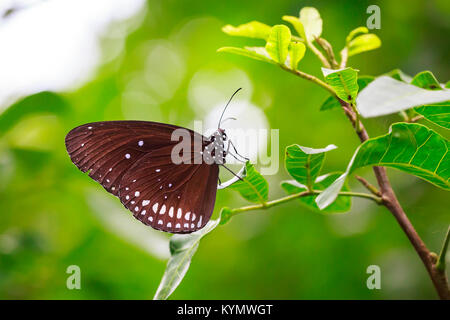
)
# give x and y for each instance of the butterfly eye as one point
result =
(224, 137)
(213, 138)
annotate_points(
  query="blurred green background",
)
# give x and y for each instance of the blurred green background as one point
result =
(53, 216)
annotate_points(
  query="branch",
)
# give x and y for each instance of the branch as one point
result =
(389, 198)
(272, 203)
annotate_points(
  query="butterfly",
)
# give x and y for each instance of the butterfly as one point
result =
(139, 162)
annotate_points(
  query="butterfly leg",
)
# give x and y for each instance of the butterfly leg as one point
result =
(234, 174)
(235, 150)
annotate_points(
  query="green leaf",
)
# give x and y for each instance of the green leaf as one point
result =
(296, 53)
(363, 43)
(304, 164)
(42, 102)
(426, 80)
(312, 23)
(332, 102)
(385, 95)
(277, 45)
(253, 29)
(182, 249)
(363, 81)
(354, 33)
(410, 147)
(437, 113)
(343, 81)
(246, 52)
(399, 75)
(225, 215)
(253, 187)
(298, 26)
(342, 203)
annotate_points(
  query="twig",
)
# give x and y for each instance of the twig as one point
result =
(272, 203)
(328, 48)
(319, 54)
(368, 186)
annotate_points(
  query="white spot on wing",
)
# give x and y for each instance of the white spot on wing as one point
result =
(178, 226)
(160, 221)
(179, 214)
(155, 207)
(137, 194)
(193, 216)
(158, 170)
(169, 224)
(150, 218)
(128, 156)
(136, 209)
(163, 209)
(187, 215)
(140, 143)
(171, 212)
(199, 222)
(143, 212)
(145, 202)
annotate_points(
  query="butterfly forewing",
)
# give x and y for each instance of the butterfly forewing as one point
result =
(132, 160)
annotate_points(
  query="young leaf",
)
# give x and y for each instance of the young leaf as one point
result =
(304, 164)
(363, 43)
(436, 113)
(253, 187)
(278, 43)
(332, 102)
(343, 81)
(246, 52)
(182, 249)
(298, 26)
(386, 95)
(312, 23)
(296, 53)
(409, 147)
(354, 33)
(253, 29)
(342, 203)
(426, 80)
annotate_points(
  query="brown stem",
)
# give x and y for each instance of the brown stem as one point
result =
(390, 201)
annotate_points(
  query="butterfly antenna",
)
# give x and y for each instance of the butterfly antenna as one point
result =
(223, 112)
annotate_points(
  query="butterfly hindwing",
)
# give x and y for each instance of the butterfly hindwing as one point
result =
(177, 198)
